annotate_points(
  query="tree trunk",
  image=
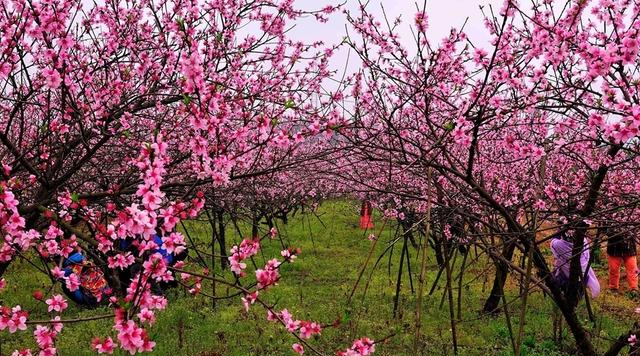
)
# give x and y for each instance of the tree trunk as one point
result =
(224, 260)
(437, 249)
(492, 304)
(254, 224)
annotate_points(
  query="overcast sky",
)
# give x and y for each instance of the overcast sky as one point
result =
(442, 14)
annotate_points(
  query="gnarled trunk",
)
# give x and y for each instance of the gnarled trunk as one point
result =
(492, 304)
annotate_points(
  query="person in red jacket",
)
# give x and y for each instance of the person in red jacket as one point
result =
(366, 222)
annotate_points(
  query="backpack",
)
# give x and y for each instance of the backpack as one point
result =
(92, 280)
(93, 284)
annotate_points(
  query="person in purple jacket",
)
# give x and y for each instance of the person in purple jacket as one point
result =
(562, 247)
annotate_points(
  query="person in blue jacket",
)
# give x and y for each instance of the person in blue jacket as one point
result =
(170, 258)
(93, 288)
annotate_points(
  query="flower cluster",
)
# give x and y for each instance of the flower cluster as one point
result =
(106, 346)
(45, 338)
(132, 338)
(305, 329)
(13, 319)
(361, 347)
(12, 224)
(56, 303)
(269, 275)
(240, 253)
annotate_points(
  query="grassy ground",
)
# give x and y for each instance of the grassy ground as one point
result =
(316, 287)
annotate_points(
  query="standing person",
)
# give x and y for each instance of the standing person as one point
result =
(366, 222)
(562, 249)
(621, 249)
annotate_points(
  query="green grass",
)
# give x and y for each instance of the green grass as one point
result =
(316, 287)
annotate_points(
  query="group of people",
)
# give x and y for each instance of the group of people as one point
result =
(621, 251)
(93, 287)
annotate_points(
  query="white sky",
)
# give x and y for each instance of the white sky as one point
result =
(443, 15)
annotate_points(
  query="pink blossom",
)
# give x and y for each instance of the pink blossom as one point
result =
(288, 255)
(72, 282)
(156, 266)
(14, 319)
(360, 347)
(292, 325)
(56, 303)
(44, 337)
(249, 299)
(147, 316)
(50, 351)
(299, 349)
(57, 326)
(52, 78)
(240, 253)
(57, 272)
(121, 261)
(421, 20)
(269, 275)
(540, 204)
(65, 199)
(174, 243)
(103, 347)
(5, 70)
(308, 329)
(133, 338)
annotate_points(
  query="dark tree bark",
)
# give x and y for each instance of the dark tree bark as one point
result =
(492, 304)
(224, 260)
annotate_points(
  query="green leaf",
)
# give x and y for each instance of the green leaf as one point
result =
(126, 133)
(186, 99)
(347, 316)
(180, 22)
(219, 37)
(289, 104)
(75, 197)
(449, 126)
(274, 121)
